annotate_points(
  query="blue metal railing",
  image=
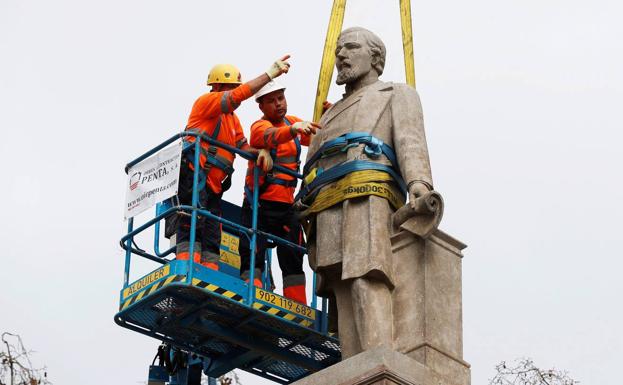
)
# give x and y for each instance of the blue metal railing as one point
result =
(252, 233)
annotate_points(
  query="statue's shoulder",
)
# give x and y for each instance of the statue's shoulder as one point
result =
(403, 88)
(380, 86)
(402, 91)
(395, 88)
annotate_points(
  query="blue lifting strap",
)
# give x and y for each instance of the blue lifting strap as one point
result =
(374, 148)
(337, 172)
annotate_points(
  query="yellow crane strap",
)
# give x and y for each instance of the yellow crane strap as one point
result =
(357, 184)
(407, 41)
(328, 54)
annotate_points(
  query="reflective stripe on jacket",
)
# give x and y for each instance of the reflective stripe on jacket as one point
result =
(265, 134)
(204, 116)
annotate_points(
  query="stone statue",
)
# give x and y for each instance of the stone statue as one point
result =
(349, 243)
(391, 275)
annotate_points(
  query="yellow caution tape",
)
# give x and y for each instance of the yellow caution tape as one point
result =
(358, 184)
(217, 289)
(152, 289)
(147, 280)
(328, 55)
(407, 41)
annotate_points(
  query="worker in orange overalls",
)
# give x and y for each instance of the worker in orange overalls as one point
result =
(213, 115)
(283, 135)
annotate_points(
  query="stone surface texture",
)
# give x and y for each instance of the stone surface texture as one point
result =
(394, 278)
(349, 245)
(427, 302)
(379, 366)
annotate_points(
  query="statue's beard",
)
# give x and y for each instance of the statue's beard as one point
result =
(347, 75)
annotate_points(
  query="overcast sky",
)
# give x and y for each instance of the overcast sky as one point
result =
(522, 103)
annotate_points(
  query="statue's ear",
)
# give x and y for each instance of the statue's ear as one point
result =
(376, 62)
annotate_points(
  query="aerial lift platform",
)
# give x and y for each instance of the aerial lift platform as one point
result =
(212, 319)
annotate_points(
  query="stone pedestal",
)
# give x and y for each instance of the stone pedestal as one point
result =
(377, 367)
(427, 346)
(427, 302)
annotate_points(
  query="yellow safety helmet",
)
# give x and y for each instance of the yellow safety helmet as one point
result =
(224, 73)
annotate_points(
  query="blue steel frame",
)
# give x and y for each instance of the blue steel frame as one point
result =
(251, 233)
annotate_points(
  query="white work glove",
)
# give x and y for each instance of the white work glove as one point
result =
(264, 160)
(304, 128)
(279, 67)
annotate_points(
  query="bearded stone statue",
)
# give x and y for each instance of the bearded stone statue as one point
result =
(392, 277)
(351, 249)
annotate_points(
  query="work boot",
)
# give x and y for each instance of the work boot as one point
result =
(294, 288)
(211, 265)
(210, 260)
(182, 252)
(257, 280)
(296, 293)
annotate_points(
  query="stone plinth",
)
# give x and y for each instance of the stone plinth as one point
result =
(377, 367)
(427, 310)
(427, 346)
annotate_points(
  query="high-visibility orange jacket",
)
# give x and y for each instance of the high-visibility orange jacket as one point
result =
(205, 115)
(265, 134)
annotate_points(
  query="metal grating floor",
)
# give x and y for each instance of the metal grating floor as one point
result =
(231, 334)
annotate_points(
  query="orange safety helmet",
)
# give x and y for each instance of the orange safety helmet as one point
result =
(224, 73)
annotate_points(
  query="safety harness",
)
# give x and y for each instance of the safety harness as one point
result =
(269, 178)
(354, 178)
(212, 158)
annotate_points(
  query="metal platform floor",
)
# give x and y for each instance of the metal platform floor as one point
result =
(273, 336)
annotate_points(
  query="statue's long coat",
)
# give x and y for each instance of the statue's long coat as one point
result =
(352, 238)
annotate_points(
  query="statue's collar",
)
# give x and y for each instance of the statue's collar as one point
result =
(347, 95)
(353, 98)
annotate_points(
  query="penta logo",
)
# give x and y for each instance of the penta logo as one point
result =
(136, 177)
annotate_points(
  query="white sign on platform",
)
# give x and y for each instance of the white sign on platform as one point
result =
(153, 180)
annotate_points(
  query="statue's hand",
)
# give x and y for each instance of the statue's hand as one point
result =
(421, 216)
(416, 190)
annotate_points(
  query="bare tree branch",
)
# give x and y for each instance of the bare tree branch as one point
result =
(524, 372)
(16, 367)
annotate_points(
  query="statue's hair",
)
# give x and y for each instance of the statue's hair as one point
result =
(375, 45)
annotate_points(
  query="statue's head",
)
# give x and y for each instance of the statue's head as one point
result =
(358, 52)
